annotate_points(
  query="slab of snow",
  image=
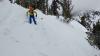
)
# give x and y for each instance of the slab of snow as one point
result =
(49, 38)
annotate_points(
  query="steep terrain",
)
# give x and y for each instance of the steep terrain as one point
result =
(49, 37)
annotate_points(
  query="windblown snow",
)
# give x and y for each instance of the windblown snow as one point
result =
(49, 37)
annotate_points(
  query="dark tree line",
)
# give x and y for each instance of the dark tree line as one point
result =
(96, 32)
(93, 28)
(66, 8)
(86, 21)
(11, 1)
(52, 10)
(54, 7)
(39, 4)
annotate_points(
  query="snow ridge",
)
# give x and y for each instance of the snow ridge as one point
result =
(49, 38)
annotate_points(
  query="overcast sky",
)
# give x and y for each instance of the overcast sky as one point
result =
(86, 4)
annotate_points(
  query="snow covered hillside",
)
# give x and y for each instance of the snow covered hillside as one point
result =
(49, 37)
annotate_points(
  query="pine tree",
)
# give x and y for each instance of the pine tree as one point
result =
(17, 1)
(96, 32)
(41, 4)
(54, 7)
(83, 22)
(47, 9)
(86, 21)
(67, 8)
(11, 1)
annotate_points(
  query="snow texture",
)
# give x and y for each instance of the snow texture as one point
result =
(49, 37)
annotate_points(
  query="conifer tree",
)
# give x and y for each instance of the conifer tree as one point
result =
(96, 32)
(54, 7)
(67, 9)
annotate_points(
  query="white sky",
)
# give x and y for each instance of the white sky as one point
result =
(86, 4)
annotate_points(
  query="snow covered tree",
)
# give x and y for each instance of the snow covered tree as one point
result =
(54, 7)
(96, 32)
(41, 4)
(21, 2)
(11, 1)
(67, 8)
(17, 1)
(83, 22)
(46, 7)
(86, 21)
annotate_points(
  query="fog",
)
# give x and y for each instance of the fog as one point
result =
(86, 5)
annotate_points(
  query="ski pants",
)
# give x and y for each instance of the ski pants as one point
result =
(32, 18)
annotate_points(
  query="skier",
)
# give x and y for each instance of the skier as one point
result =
(31, 14)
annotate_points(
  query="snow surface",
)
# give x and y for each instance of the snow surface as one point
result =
(49, 38)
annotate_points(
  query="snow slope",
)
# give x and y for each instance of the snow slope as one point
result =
(49, 38)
